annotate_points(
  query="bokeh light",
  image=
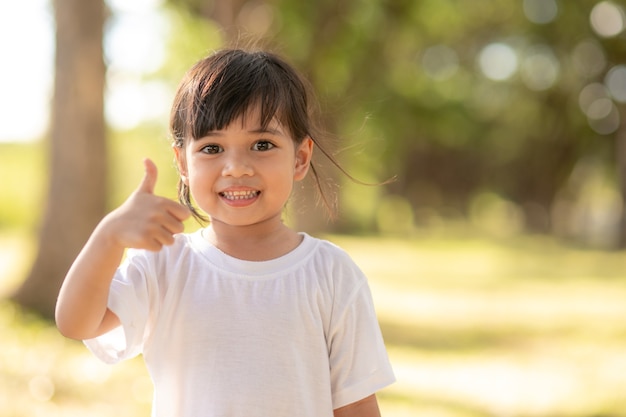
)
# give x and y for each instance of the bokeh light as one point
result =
(615, 82)
(602, 114)
(440, 62)
(600, 108)
(540, 68)
(607, 19)
(588, 58)
(591, 93)
(498, 61)
(41, 388)
(541, 11)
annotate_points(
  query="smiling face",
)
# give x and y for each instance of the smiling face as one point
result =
(243, 174)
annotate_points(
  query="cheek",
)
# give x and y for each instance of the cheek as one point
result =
(195, 176)
(202, 177)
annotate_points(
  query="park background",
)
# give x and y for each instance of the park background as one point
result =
(495, 256)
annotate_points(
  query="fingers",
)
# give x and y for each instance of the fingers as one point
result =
(148, 184)
(161, 220)
(167, 216)
(156, 228)
(179, 212)
(160, 237)
(150, 177)
(145, 220)
(169, 223)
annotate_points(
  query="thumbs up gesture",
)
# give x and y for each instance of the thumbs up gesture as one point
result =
(144, 220)
(149, 179)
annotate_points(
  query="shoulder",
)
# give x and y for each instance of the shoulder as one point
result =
(329, 250)
(336, 262)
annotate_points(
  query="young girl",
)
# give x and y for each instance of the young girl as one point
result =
(245, 317)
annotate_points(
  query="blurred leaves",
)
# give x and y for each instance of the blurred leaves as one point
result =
(461, 96)
(455, 99)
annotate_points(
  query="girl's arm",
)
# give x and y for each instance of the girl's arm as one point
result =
(367, 407)
(144, 221)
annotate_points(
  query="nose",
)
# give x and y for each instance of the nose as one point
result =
(237, 164)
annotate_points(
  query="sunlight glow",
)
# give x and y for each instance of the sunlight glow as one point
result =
(133, 6)
(27, 48)
(134, 41)
(134, 48)
(41, 388)
(131, 102)
(89, 369)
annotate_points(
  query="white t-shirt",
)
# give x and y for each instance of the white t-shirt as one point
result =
(223, 337)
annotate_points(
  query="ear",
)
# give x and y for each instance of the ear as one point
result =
(304, 152)
(181, 163)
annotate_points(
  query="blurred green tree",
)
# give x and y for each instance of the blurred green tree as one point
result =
(458, 97)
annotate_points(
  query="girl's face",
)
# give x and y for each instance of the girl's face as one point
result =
(243, 175)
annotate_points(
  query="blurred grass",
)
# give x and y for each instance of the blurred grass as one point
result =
(22, 168)
(484, 327)
(475, 326)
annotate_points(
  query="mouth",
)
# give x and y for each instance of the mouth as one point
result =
(240, 195)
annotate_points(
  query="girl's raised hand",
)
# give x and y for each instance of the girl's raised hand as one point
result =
(144, 220)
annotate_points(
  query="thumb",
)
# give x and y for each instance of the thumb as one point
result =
(150, 177)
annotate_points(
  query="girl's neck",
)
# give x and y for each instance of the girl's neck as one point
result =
(251, 243)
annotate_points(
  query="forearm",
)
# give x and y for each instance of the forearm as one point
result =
(144, 221)
(81, 311)
(367, 407)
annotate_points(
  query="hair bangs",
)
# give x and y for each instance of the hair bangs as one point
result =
(236, 86)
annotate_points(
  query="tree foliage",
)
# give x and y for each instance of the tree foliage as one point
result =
(458, 98)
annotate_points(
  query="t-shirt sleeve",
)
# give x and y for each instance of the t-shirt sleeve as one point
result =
(359, 363)
(129, 299)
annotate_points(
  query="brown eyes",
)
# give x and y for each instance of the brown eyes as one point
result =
(261, 146)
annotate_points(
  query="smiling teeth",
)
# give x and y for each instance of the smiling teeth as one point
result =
(239, 195)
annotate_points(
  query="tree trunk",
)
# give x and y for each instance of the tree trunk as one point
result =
(77, 151)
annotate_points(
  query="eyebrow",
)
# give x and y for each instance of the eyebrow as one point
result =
(269, 130)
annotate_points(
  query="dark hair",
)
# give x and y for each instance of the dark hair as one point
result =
(225, 85)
